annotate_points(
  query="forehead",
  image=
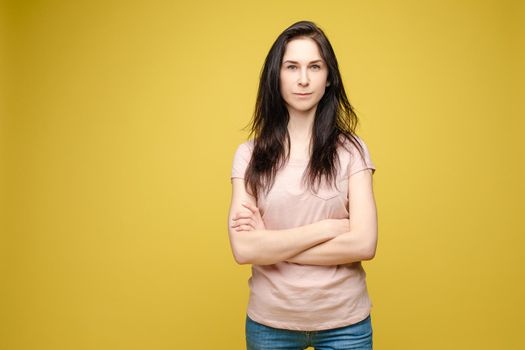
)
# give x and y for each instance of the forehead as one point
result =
(302, 50)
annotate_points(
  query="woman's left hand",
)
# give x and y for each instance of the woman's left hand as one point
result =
(248, 220)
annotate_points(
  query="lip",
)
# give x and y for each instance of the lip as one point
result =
(303, 94)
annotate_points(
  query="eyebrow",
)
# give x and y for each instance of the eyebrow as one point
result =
(290, 61)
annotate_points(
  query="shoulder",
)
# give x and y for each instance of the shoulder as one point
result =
(245, 149)
(355, 155)
(348, 146)
(241, 159)
(242, 155)
(247, 145)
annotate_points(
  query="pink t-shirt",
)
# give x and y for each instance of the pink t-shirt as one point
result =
(306, 297)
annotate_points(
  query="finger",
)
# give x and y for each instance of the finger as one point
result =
(249, 221)
(244, 228)
(248, 206)
(242, 214)
(251, 207)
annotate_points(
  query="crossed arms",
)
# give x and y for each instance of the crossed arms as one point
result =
(326, 242)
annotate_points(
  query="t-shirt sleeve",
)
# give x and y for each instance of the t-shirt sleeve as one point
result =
(240, 161)
(357, 163)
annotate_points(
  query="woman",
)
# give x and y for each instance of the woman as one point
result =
(303, 211)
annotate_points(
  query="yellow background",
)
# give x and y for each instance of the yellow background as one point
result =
(119, 121)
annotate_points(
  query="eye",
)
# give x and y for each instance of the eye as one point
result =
(316, 66)
(291, 66)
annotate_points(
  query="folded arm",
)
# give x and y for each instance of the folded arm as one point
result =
(266, 247)
(326, 242)
(360, 242)
(344, 249)
(260, 246)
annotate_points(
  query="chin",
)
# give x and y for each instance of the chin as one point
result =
(303, 108)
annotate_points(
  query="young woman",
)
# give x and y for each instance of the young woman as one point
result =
(303, 212)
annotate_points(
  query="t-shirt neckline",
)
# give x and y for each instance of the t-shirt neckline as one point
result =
(297, 161)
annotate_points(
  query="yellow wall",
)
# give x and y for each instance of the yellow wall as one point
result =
(121, 123)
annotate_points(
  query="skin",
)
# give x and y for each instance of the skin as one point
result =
(326, 242)
(302, 70)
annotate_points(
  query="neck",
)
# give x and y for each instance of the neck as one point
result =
(300, 126)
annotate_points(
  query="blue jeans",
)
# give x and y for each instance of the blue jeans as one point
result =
(354, 336)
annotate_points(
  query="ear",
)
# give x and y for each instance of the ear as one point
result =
(328, 84)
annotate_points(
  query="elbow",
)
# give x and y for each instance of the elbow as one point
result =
(244, 252)
(245, 258)
(243, 248)
(370, 251)
(369, 255)
(240, 257)
(241, 254)
(240, 261)
(368, 245)
(238, 248)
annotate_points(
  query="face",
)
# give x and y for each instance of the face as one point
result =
(303, 75)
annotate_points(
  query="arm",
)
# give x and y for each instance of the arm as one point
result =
(361, 241)
(264, 247)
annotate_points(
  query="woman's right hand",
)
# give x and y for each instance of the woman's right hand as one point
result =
(248, 220)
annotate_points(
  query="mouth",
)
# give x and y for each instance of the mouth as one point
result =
(303, 94)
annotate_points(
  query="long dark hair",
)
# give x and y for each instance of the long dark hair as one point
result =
(335, 119)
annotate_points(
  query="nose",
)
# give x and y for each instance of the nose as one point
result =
(303, 78)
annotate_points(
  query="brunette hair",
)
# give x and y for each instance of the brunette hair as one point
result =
(335, 119)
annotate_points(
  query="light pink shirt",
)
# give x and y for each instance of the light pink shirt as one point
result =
(306, 297)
